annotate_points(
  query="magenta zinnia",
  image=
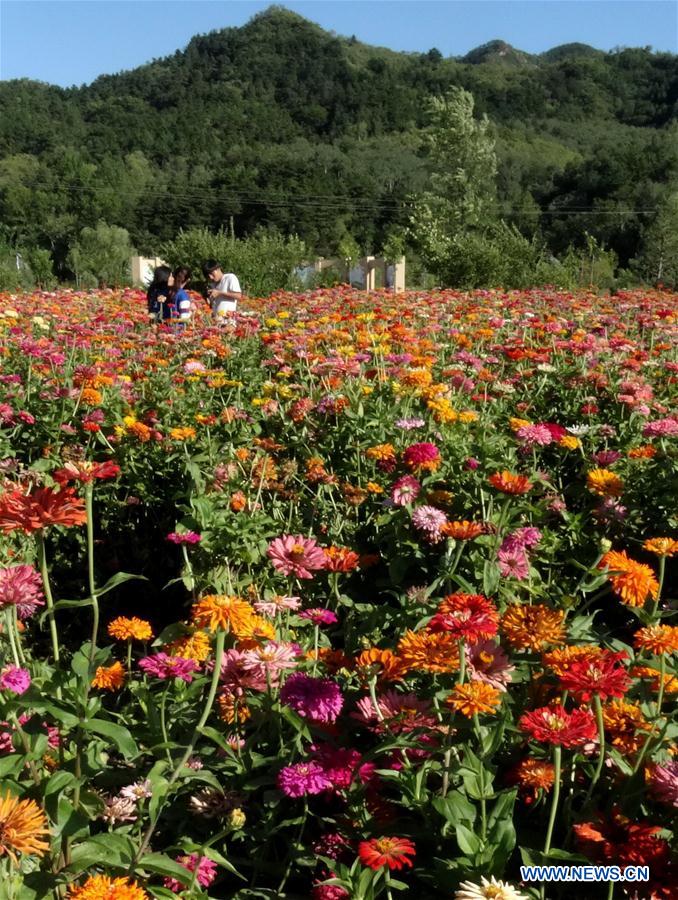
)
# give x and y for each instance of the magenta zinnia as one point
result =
(316, 699)
(163, 666)
(303, 778)
(294, 554)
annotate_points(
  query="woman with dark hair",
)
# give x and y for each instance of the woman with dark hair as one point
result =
(179, 299)
(158, 294)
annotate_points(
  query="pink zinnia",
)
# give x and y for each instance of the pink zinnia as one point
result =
(340, 764)
(294, 554)
(276, 605)
(303, 778)
(187, 537)
(513, 563)
(486, 661)
(328, 891)
(535, 435)
(422, 456)
(271, 660)
(316, 699)
(163, 666)
(21, 586)
(661, 428)
(319, 616)
(405, 490)
(15, 680)
(664, 782)
(401, 712)
(430, 521)
(238, 672)
(207, 872)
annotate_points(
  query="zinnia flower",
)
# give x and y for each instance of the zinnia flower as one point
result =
(657, 639)
(302, 779)
(110, 678)
(123, 629)
(220, 611)
(468, 616)
(488, 890)
(532, 776)
(206, 872)
(340, 559)
(663, 782)
(422, 457)
(463, 531)
(319, 616)
(405, 490)
(393, 852)
(15, 680)
(21, 586)
(486, 661)
(604, 483)
(184, 537)
(632, 581)
(661, 546)
(508, 483)
(530, 627)
(430, 521)
(22, 828)
(84, 471)
(473, 698)
(554, 725)
(296, 555)
(316, 699)
(40, 509)
(101, 887)
(601, 676)
(163, 666)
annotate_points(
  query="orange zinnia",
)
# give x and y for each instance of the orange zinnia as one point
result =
(622, 721)
(426, 651)
(109, 678)
(632, 581)
(604, 483)
(560, 660)
(473, 698)
(386, 665)
(219, 611)
(530, 627)
(462, 531)
(657, 639)
(39, 509)
(101, 887)
(533, 775)
(232, 709)
(22, 827)
(654, 675)
(123, 629)
(661, 546)
(195, 646)
(340, 559)
(509, 483)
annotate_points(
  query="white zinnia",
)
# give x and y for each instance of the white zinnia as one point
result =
(493, 889)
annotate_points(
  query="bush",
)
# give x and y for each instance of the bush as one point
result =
(264, 262)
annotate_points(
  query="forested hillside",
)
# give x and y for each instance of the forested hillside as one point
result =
(280, 123)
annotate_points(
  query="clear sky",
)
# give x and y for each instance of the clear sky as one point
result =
(70, 42)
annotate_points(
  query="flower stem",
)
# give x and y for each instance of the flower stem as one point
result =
(216, 674)
(89, 494)
(601, 753)
(42, 560)
(554, 799)
(9, 620)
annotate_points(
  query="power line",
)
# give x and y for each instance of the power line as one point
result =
(319, 201)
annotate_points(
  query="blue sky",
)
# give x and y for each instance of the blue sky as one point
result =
(70, 42)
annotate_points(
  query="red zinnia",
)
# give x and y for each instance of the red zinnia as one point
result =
(422, 457)
(599, 675)
(620, 840)
(43, 507)
(386, 851)
(469, 616)
(555, 725)
(340, 559)
(85, 471)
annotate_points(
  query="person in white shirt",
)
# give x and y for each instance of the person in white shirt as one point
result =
(224, 291)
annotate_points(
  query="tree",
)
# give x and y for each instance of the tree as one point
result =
(658, 261)
(101, 255)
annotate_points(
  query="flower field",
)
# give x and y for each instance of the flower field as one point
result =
(362, 596)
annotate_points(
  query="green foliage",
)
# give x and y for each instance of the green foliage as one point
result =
(264, 262)
(101, 255)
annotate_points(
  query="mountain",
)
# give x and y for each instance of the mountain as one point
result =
(282, 124)
(498, 52)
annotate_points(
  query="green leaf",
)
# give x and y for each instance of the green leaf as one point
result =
(456, 809)
(11, 765)
(120, 736)
(467, 840)
(112, 849)
(164, 865)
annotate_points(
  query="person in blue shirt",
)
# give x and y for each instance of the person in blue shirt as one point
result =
(179, 298)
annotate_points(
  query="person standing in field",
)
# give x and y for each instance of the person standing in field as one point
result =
(224, 290)
(157, 295)
(179, 298)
